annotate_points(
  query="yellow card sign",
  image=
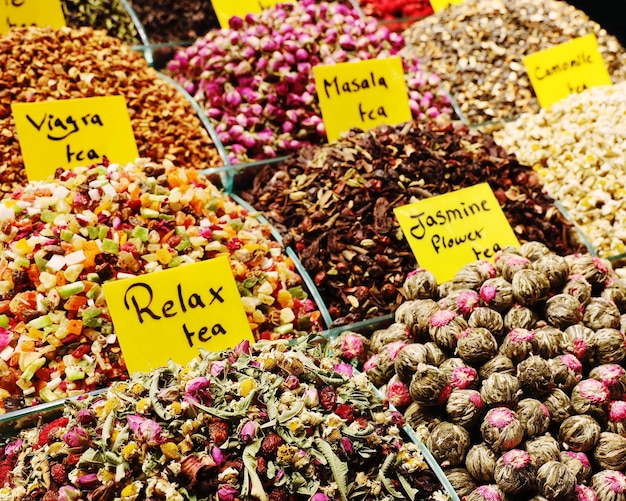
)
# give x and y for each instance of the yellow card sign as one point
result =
(173, 313)
(438, 5)
(362, 94)
(448, 231)
(22, 13)
(565, 69)
(73, 132)
(225, 9)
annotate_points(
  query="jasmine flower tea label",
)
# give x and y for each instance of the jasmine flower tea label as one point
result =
(171, 314)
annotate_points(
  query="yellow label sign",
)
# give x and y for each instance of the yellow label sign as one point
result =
(225, 9)
(22, 13)
(362, 94)
(73, 132)
(438, 5)
(565, 69)
(448, 231)
(172, 314)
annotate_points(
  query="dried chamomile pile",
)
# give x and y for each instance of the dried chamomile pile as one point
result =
(479, 45)
(260, 422)
(335, 204)
(61, 239)
(513, 372)
(578, 148)
(39, 64)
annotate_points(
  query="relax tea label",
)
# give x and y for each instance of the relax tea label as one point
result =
(362, 94)
(565, 69)
(72, 132)
(225, 9)
(172, 314)
(438, 5)
(23, 13)
(448, 231)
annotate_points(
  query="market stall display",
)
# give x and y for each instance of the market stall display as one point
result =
(334, 204)
(110, 15)
(256, 84)
(63, 238)
(38, 64)
(265, 421)
(479, 47)
(523, 408)
(577, 149)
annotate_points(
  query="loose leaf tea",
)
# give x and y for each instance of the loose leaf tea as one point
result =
(335, 205)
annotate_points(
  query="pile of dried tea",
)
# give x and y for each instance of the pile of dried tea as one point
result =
(108, 15)
(335, 204)
(513, 373)
(39, 64)
(578, 148)
(263, 421)
(479, 46)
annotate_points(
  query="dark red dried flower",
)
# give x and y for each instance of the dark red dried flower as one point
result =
(345, 411)
(218, 431)
(270, 445)
(328, 398)
(58, 474)
(48, 432)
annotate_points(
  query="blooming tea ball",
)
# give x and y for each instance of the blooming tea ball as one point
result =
(487, 318)
(584, 493)
(542, 449)
(530, 287)
(609, 485)
(601, 313)
(499, 363)
(351, 346)
(465, 407)
(610, 348)
(578, 463)
(593, 269)
(497, 294)
(407, 360)
(420, 284)
(379, 368)
(481, 463)
(512, 264)
(419, 415)
(429, 385)
(463, 301)
(579, 433)
(473, 275)
(449, 444)
(382, 337)
(579, 341)
(461, 481)
(445, 327)
(535, 376)
(591, 396)
(476, 345)
(501, 429)
(554, 268)
(397, 393)
(534, 417)
(578, 287)
(520, 316)
(500, 389)
(617, 417)
(548, 341)
(610, 451)
(562, 311)
(515, 472)
(566, 371)
(615, 291)
(486, 493)
(434, 354)
(534, 250)
(555, 481)
(518, 344)
(463, 378)
(558, 404)
(416, 315)
(613, 376)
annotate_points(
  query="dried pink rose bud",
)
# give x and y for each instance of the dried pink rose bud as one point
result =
(145, 429)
